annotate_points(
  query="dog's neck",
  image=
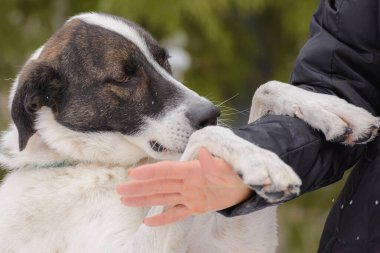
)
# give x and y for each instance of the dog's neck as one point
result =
(36, 152)
(54, 145)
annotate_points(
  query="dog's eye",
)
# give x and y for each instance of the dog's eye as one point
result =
(128, 77)
(130, 68)
(123, 79)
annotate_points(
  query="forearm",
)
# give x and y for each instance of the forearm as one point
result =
(317, 162)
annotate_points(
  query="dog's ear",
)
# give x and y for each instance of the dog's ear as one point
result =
(39, 87)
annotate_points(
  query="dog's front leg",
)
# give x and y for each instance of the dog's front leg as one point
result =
(339, 120)
(171, 238)
(262, 170)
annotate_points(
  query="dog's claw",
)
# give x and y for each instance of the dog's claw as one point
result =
(369, 136)
(275, 196)
(364, 139)
(343, 138)
(347, 136)
(292, 188)
(290, 196)
(256, 188)
(339, 139)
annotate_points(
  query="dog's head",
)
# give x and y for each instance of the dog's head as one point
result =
(101, 80)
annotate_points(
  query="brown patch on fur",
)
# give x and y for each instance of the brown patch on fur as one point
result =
(52, 48)
(58, 41)
(25, 71)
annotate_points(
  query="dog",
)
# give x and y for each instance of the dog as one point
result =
(98, 99)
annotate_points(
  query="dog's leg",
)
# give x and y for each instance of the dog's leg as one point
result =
(335, 117)
(260, 169)
(172, 238)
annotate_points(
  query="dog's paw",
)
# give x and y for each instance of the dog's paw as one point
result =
(336, 118)
(268, 175)
(263, 171)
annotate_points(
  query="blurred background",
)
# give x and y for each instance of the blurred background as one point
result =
(223, 49)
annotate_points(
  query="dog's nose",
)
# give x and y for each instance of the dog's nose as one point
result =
(203, 114)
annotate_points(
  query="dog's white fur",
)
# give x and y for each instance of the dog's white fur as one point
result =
(59, 195)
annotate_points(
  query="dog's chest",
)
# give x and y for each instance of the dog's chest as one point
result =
(66, 210)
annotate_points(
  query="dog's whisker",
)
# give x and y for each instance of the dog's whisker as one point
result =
(233, 114)
(235, 110)
(223, 123)
(225, 101)
(226, 119)
(229, 114)
(226, 108)
(212, 99)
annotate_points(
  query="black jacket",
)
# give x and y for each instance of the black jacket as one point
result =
(341, 57)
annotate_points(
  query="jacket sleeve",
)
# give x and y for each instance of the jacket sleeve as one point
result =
(338, 59)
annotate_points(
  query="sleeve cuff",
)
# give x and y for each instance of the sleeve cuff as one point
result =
(253, 203)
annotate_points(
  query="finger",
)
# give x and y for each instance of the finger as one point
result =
(153, 200)
(176, 213)
(148, 187)
(163, 170)
(205, 158)
(215, 164)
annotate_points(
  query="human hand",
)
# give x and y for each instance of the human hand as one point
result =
(188, 188)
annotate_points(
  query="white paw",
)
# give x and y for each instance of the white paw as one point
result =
(335, 117)
(262, 170)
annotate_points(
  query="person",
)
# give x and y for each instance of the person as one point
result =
(341, 58)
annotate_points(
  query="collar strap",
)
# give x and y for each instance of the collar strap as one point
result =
(58, 164)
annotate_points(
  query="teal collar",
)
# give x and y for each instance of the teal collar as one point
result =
(58, 164)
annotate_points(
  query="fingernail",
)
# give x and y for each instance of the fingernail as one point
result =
(145, 223)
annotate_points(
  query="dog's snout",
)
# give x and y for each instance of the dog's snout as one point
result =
(203, 114)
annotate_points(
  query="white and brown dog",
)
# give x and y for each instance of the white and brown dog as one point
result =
(97, 99)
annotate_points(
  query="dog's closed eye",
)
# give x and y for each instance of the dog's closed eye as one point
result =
(123, 79)
(130, 68)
